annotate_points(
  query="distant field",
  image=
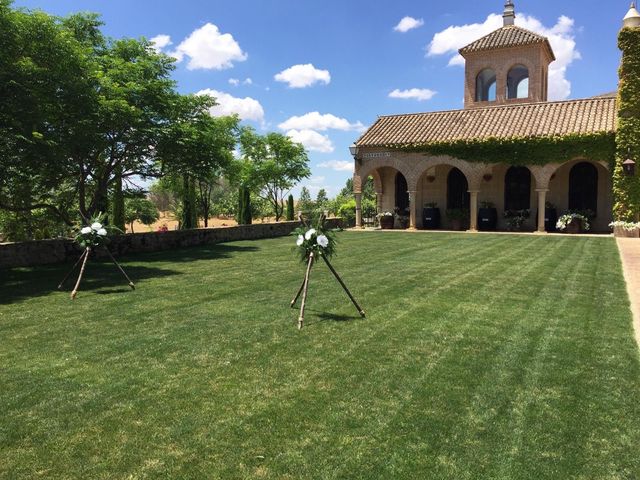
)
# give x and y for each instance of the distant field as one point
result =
(488, 356)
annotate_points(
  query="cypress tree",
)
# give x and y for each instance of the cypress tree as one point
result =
(290, 208)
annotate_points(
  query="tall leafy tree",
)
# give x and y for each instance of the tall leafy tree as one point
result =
(81, 111)
(196, 146)
(321, 199)
(48, 91)
(271, 164)
(142, 210)
(305, 203)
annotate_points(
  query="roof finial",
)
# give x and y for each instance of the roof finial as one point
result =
(509, 14)
(632, 18)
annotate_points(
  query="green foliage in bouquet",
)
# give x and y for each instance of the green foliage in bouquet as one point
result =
(314, 239)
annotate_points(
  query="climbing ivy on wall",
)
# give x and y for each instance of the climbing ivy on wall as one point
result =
(626, 189)
(525, 151)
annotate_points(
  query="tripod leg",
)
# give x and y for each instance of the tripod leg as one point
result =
(84, 264)
(353, 300)
(304, 291)
(133, 287)
(72, 269)
(295, 299)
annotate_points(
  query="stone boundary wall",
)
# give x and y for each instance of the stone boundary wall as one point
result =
(42, 252)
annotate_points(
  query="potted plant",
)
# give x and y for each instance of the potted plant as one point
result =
(625, 229)
(487, 216)
(386, 220)
(573, 223)
(457, 218)
(515, 219)
(401, 218)
(431, 216)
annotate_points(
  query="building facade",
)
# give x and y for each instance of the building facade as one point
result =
(508, 146)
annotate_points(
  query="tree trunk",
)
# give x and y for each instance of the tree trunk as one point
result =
(189, 214)
(118, 201)
(244, 206)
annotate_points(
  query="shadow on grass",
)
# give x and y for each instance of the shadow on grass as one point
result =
(313, 317)
(18, 284)
(189, 254)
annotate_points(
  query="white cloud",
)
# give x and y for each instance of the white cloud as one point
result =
(338, 165)
(419, 94)
(408, 23)
(209, 49)
(318, 121)
(311, 140)
(160, 41)
(247, 108)
(235, 82)
(561, 37)
(301, 76)
(316, 180)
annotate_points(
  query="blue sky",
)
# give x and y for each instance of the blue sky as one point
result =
(278, 62)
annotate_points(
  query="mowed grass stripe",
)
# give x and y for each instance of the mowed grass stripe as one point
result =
(224, 386)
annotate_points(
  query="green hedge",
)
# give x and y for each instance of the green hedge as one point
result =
(626, 189)
(524, 151)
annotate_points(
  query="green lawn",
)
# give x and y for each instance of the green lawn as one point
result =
(488, 356)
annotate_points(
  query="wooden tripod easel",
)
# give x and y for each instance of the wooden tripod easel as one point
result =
(304, 288)
(83, 258)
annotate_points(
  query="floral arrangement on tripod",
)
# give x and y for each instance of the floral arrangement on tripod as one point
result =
(314, 240)
(96, 233)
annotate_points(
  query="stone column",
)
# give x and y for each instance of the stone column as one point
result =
(473, 210)
(542, 200)
(412, 209)
(358, 209)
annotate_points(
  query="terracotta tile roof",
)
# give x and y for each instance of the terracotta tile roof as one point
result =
(506, 37)
(525, 120)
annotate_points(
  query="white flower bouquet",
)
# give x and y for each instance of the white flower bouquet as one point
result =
(95, 234)
(629, 226)
(566, 219)
(316, 240)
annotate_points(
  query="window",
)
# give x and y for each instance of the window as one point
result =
(583, 187)
(518, 82)
(457, 190)
(486, 86)
(517, 189)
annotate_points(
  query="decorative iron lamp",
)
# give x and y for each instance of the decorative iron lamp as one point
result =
(629, 167)
(354, 150)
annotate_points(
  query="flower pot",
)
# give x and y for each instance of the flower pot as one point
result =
(487, 219)
(456, 224)
(386, 222)
(625, 233)
(574, 226)
(401, 223)
(431, 218)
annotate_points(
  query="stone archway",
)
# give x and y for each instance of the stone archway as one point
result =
(557, 177)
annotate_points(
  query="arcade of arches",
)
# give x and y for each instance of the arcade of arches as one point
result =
(409, 181)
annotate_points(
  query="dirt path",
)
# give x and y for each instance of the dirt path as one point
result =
(630, 255)
(171, 223)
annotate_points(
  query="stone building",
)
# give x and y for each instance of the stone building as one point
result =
(413, 158)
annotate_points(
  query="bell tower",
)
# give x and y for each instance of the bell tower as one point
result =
(509, 65)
